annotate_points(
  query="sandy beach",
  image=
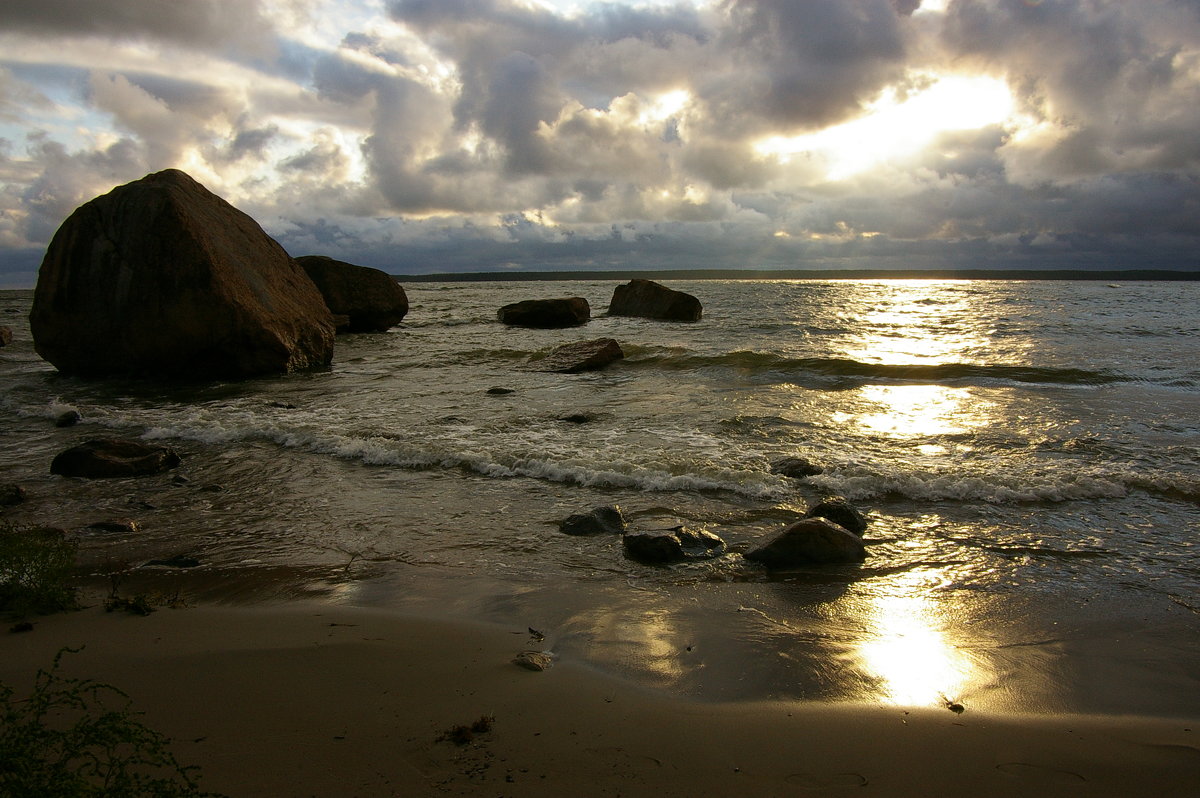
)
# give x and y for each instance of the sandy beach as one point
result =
(317, 700)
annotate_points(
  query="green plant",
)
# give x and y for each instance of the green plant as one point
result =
(36, 567)
(80, 738)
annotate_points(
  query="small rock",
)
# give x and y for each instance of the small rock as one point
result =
(113, 457)
(581, 356)
(534, 660)
(22, 626)
(5, 336)
(663, 546)
(807, 542)
(68, 418)
(577, 418)
(500, 391)
(598, 521)
(840, 512)
(10, 494)
(120, 526)
(796, 467)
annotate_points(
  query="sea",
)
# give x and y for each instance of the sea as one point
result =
(1026, 453)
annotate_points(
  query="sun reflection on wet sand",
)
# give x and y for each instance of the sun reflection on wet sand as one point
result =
(909, 652)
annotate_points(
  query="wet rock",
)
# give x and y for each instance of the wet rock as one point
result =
(162, 278)
(371, 299)
(113, 457)
(581, 356)
(808, 542)
(840, 512)
(10, 494)
(122, 525)
(499, 391)
(178, 561)
(547, 313)
(68, 418)
(796, 467)
(601, 520)
(5, 336)
(664, 546)
(534, 660)
(577, 418)
(652, 300)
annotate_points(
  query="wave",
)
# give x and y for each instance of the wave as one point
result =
(849, 371)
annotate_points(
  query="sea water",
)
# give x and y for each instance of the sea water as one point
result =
(1026, 453)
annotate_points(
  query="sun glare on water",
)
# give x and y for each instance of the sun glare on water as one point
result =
(895, 127)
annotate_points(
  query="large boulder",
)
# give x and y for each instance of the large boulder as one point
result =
(581, 356)
(113, 457)
(372, 299)
(547, 313)
(161, 277)
(653, 301)
(808, 542)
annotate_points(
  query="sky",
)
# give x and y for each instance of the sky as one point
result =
(423, 136)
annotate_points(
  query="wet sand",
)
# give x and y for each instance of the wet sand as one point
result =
(309, 699)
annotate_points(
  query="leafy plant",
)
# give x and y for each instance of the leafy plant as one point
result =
(81, 738)
(36, 568)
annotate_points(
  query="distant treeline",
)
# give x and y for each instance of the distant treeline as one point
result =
(810, 274)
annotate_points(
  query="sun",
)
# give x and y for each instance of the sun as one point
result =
(896, 126)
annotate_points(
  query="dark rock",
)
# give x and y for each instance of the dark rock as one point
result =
(113, 457)
(10, 494)
(547, 313)
(581, 356)
(123, 525)
(372, 299)
(68, 418)
(653, 301)
(599, 521)
(840, 512)
(5, 336)
(663, 546)
(499, 391)
(577, 418)
(160, 277)
(535, 660)
(796, 467)
(341, 323)
(807, 542)
(178, 561)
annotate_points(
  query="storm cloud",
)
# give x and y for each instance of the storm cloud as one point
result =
(469, 135)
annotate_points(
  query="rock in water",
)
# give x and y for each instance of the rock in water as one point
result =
(796, 467)
(808, 542)
(113, 457)
(5, 336)
(840, 512)
(547, 313)
(653, 301)
(581, 356)
(10, 494)
(598, 521)
(372, 299)
(160, 277)
(663, 546)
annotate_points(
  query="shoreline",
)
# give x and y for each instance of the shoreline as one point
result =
(301, 698)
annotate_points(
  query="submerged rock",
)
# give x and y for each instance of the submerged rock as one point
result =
(534, 660)
(581, 356)
(796, 467)
(113, 457)
(499, 391)
(121, 526)
(664, 546)
(370, 299)
(5, 336)
(601, 520)
(807, 542)
(68, 418)
(652, 300)
(547, 313)
(161, 277)
(10, 494)
(840, 512)
(178, 561)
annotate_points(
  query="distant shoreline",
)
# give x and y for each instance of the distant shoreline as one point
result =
(1127, 275)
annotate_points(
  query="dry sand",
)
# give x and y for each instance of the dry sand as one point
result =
(319, 700)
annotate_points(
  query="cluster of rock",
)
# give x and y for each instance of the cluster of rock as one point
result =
(644, 298)
(830, 533)
(168, 279)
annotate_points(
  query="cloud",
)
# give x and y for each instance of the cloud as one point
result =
(472, 134)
